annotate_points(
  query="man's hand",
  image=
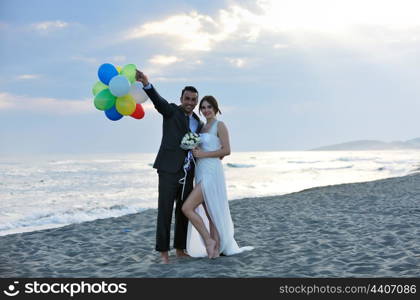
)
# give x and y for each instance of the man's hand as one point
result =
(140, 76)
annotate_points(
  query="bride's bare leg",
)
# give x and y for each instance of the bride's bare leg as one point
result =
(188, 208)
(215, 235)
(213, 231)
(217, 239)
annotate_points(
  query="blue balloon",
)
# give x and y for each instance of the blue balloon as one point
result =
(119, 86)
(113, 114)
(106, 72)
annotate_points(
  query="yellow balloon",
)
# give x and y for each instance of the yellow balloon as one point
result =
(125, 105)
(119, 69)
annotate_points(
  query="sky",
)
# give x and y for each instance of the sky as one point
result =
(288, 74)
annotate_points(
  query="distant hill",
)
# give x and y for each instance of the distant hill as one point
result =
(372, 145)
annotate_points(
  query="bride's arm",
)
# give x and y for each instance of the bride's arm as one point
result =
(223, 134)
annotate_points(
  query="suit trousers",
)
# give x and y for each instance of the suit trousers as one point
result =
(170, 190)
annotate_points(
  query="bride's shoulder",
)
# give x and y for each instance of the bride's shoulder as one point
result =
(221, 126)
(220, 123)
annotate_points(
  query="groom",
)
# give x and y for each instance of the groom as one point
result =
(177, 121)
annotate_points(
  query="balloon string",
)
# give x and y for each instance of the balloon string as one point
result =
(186, 167)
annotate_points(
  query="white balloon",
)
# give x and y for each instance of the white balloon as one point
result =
(137, 92)
(119, 86)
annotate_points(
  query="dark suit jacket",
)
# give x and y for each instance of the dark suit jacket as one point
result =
(171, 156)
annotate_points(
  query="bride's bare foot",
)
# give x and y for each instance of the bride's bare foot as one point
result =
(217, 246)
(215, 236)
(216, 249)
(210, 248)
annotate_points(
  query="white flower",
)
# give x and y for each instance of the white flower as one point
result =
(190, 141)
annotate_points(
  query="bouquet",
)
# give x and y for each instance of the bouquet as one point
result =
(190, 141)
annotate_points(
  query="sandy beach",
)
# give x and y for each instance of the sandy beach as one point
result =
(369, 229)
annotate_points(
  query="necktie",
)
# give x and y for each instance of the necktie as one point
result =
(187, 120)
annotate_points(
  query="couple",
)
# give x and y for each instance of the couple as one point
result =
(209, 231)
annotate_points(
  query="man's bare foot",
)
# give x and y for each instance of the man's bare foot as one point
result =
(181, 253)
(210, 248)
(165, 257)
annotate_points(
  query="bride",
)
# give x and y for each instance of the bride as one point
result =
(207, 206)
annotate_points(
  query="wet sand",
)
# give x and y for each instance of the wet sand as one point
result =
(369, 229)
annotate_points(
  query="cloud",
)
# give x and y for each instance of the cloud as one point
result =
(44, 104)
(237, 62)
(12, 102)
(333, 16)
(28, 76)
(164, 60)
(5, 101)
(345, 22)
(280, 46)
(92, 60)
(48, 26)
(194, 31)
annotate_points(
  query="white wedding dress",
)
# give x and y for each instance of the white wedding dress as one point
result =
(209, 173)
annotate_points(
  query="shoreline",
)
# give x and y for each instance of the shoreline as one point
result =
(368, 229)
(53, 193)
(54, 226)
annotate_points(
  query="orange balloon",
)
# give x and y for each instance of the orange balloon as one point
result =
(138, 113)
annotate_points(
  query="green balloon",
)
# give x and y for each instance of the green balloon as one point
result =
(97, 87)
(129, 71)
(104, 100)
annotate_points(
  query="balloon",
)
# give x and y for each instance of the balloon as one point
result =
(117, 92)
(106, 72)
(99, 86)
(137, 92)
(129, 71)
(138, 113)
(125, 105)
(119, 86)
(113, 114)
(104, 100)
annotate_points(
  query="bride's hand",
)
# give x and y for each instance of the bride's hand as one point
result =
(197, 152)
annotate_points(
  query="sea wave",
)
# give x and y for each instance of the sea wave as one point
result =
(336, 168)
(351, 159)
(302, 162)
(231, 165)
(65, 217)
(53, 191)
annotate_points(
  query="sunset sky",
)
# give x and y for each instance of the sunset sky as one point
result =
(288, 75)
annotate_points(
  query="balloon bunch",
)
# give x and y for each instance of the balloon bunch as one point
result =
(118, 93)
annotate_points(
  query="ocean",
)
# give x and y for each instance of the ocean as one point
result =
(46, 191)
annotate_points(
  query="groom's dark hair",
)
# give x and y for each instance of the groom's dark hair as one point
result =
(190, 89)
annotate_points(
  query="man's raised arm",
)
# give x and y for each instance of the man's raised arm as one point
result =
(161, 105)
